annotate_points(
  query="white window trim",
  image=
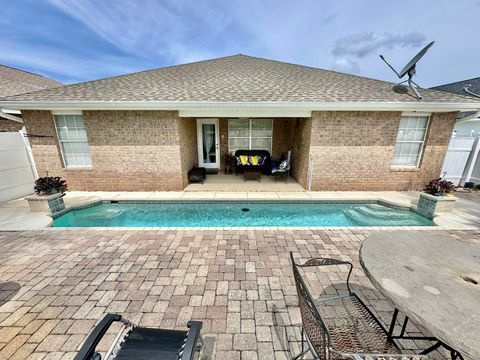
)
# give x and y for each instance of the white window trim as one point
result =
(67, 112)
(249, 137)
(422, 148)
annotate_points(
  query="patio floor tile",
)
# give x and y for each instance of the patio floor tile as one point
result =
(55, 285)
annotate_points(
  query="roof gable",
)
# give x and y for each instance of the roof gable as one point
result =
(15, 81)
(458, 87)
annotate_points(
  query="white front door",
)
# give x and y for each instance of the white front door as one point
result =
(208, 143)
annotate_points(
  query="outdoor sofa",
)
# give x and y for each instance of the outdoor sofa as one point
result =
(263, 158)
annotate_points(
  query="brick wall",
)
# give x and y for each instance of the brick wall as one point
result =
(354, 150)
(131, 150)
(223, 123)
(153, 150)
(9, 125)
(187, 135)
(302, 131)
(282, 138)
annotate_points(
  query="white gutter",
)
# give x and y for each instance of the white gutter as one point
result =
(10, 117)
(235, 106)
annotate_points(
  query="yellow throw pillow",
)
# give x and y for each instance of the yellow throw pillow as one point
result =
(254, 160)
(244, 159)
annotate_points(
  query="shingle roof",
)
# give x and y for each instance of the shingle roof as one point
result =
(458, 87)
(238, 78)
(14, 81)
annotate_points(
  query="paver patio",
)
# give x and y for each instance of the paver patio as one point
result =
(56, 284)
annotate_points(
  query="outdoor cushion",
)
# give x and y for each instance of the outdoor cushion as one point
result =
(253, 160)
(244, 160)
(283, 165)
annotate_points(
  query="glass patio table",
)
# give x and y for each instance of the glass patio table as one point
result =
(434, 280)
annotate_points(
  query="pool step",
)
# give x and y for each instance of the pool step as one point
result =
(382, 212)
(362, 218)
(357, 218)
(375, 206)
(106, 215)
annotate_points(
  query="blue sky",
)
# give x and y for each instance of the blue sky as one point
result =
(80, 40)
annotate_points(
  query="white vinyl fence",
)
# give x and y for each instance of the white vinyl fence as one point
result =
(475, 177)
(458, 153)
(17, 171)
(472, 171)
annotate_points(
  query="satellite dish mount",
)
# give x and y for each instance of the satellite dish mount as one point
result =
(410, 70)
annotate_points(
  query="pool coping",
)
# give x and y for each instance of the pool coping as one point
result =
(383, 202)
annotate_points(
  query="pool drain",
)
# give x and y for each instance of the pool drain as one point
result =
(245, 209)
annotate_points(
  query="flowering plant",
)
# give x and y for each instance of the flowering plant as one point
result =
(439, 187)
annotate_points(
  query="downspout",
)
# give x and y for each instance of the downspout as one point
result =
(310, 172)
(28, 149)
(10, 117)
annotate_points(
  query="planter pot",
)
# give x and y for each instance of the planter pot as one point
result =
(46, 203)
(430, 205)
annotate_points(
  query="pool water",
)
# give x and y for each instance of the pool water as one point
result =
(238, 214)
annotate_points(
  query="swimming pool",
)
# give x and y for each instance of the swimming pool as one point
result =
(239, 214)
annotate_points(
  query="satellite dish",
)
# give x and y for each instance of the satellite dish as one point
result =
(410, 70)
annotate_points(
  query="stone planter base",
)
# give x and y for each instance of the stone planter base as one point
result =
(429, 205)
(46, 203)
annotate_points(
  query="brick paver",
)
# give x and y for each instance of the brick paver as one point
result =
(55, 285)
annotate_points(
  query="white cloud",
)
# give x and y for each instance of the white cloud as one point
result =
(346, 65)
(150, 28)
(366, 43)
(69, 67)
(349, 49)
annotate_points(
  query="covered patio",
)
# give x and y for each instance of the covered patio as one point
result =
(211, 143)
(222, 182)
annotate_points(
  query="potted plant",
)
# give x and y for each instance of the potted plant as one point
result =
(436, 197)
(49, 185)
(49, 192)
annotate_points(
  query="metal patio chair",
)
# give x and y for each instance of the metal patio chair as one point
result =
(134, 342)
(285, 171)
(341, 326)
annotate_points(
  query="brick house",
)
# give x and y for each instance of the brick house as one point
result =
(143, 131)
(13, 82)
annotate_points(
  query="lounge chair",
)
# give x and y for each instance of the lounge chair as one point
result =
(341, 326)
(134, 342)
(283, 168)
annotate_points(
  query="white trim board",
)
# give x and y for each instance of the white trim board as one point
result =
(237, 107)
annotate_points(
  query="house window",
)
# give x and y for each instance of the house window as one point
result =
(72, 137)
(410, 141)
(250, 134)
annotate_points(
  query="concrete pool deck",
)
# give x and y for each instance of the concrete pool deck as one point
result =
(15, 215)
